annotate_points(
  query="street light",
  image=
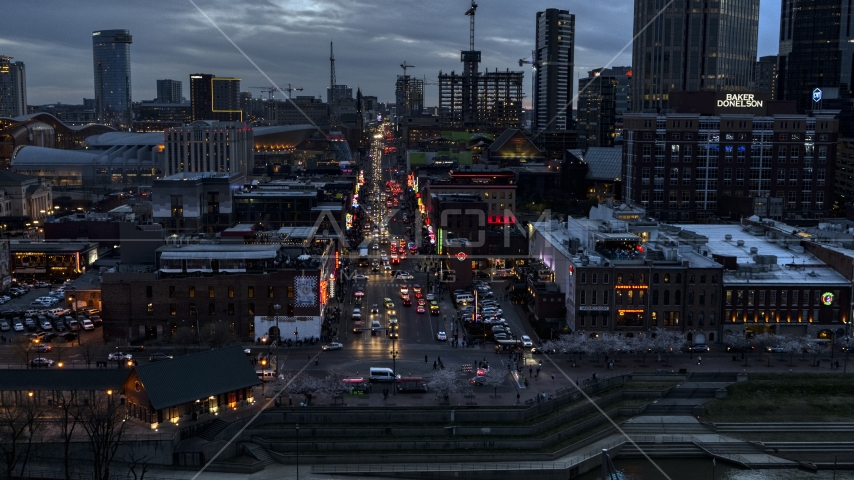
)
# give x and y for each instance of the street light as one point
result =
(394, 361)
(297, 425)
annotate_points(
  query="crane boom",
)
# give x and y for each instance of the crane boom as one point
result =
(470, 12)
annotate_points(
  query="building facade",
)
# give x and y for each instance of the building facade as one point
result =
(691, 47)
(13, 88)
(816, 50)
(170, 91)
(409, 96)
(603, 98)
(226, 99)
(496, 95)
(554, 60)
(111, 58)
(209, 146)
(691, 166)
(765, 76)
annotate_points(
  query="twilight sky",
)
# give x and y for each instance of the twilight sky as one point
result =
(289, 40)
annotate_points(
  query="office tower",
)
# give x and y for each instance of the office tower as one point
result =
(603, 98)
(170, 91)
(342, 92)
(765, 76)
(409, 95)
(111, 58)
(816, 50)
(554, 61)
(213, 98)
(13, 88)
(692, 47)
(208, 146)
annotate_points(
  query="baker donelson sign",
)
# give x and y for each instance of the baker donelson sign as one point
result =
(740, 100)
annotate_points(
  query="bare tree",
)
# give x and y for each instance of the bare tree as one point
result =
(184, 337)
(58, 348)
(20, 425)
(68, 418)
(88, 351)
(219, 334)
(103, 419)
(444, 383)
(23, 347)
(494, 378)
(138, 463)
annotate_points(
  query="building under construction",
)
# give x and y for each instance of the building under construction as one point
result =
(409, 95)
(497, 103)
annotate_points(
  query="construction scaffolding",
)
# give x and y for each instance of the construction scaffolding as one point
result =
(498, 100)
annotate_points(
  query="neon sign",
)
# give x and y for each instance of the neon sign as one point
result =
(630, 287)
(827, 298)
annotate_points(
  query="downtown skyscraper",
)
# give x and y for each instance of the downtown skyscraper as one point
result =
(554, 61)
(13, 88)
(692, 46)
(816, 51)
(111, 59)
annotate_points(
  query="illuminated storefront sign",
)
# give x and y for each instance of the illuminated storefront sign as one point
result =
(630, 287)
(827, 298)
(623, 312)
(594, 308)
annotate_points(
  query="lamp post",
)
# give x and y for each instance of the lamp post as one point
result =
(394, 361)
(278, 340)
(297, 425)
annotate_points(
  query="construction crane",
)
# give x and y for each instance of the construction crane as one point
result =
(470, 12)
(404, 66)
(268, 90)
(290, 89)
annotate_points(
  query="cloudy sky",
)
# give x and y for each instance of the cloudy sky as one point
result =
(289, 40)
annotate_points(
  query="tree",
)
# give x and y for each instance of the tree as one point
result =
(184, 337)
(19, 427)
(67, 422)
(641, 345)
(444, 383)
(667, 342)
(88, 351)
(138, 462)
(103, 419)
(58, 348)
(23, 348)
(494, 377)
(219, 334)
(332, 387)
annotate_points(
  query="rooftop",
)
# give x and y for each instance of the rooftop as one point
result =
(62, 379)
(25, 246)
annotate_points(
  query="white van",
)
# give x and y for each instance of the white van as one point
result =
(266, 375)
(381, 374)
(464, 298)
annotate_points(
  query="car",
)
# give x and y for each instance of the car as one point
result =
(407, 302)
(422, 302)
(46, 325)
(359, 293)
(119, 356)
(375, 309)
(375, 246)
(41, 362)
(332, 346)
(18, 326)
(420, 309)
(441, 336)
(477, 381)
(42, 285)
(777, 349)
(405, 276)
(501, 336)
(526, 341)
(739, 349)
(699, 348)
(41, 347)
(431, 297)
(39, 303)
(31, 324)
(4, 326)
(360, 277)
(96, 320)
(388, 303)
(70, 336)
(158, 356)
(88, 325)
(59, 326)
(404, 290)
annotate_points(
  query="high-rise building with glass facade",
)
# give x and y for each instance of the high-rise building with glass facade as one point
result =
(170, 91)
(693, 45)
(215, 98)
(603, 98)
(13, 88)
(111, 58)
(554, 60)
(816, 51)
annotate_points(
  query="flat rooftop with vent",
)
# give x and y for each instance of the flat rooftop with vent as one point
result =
(750, 256)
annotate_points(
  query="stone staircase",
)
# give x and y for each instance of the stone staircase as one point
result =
(662, 450)
(258, 452)
(212, 429)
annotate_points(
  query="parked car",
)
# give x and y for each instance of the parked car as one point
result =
(18, 325)
(59, 326)
(526, 341)
(41, 347)
(42, 285)
(46, 325)
(699, 348)
(96, 320)
(4, 326)
(119, 356)
(88, 325)
(41, 362)
(158, 356)
(441, 336)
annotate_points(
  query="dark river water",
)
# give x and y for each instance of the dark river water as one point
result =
(701, 469)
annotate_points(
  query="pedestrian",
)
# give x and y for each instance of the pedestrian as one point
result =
(434, 365)
(425, 358)
(317, 361)
(530, 372)
(553, 376)
(517, 398)
(699, 359)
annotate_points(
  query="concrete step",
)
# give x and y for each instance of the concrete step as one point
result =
(212, 429)
(661, 450)
(785, 427)
(259, 453)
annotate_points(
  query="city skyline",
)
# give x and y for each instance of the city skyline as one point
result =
(289, 41)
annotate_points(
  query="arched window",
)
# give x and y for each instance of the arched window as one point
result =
(619, 278)
(711, 319)
(581, 297)
(643, 279)
(666, 278)
(631, 279)
(700, 320)
(655, 279)
(667, 297)
(690, 319)
(679, 278)
(655, 297)
(677, 297)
